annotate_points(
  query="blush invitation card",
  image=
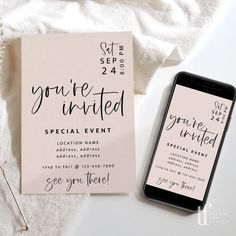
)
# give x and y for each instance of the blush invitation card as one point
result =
(77, 113)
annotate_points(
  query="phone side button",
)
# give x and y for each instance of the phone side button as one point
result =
(228, 124)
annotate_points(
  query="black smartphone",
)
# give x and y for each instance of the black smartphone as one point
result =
(189, 142)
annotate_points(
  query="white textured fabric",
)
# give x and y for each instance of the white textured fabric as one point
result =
(164, 32)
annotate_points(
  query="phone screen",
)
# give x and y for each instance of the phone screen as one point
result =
(190, 139)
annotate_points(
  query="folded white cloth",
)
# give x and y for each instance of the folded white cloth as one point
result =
(164, 32)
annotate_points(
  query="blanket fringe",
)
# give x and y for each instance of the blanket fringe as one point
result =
(2, 47)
